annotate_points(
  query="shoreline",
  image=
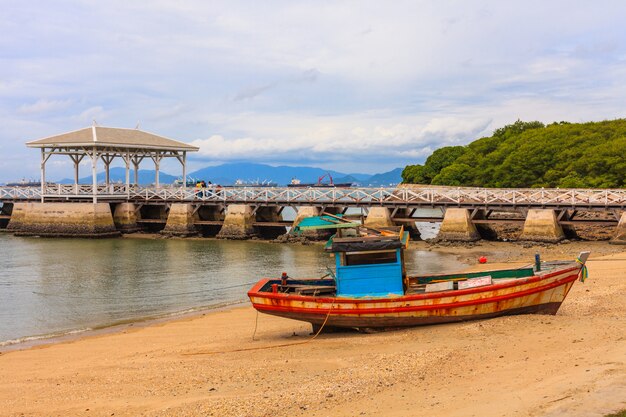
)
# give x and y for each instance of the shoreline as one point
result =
(67, 336)
(466, 253)
(568, 364)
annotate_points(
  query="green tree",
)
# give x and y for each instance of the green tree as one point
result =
(529, 154)
(517, 128)
(456, 174)
(414, 174)
(440, 159)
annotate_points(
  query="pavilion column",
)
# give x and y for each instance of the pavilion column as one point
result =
(107, 159)
(182, 158)
(157, 162)
(76, 159)
(75, 176)
(94, 175)
(44, 158)
(136, 161)
(127, 163)
(184, 171)
(43, 172)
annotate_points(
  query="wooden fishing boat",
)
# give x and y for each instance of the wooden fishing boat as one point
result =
(370, 288)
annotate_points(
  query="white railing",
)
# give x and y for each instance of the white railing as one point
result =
(476, 197)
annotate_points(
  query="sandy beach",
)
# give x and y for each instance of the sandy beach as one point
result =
(571, 364)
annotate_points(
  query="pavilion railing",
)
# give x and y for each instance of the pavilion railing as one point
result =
(469, 197)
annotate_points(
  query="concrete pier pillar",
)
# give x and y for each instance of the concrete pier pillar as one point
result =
(238, 223)
(541, 226)
(457, 226)
(619, 237)
(304, 212)
(125, 217)
(62, 220)
(378, 217)
(180, 221)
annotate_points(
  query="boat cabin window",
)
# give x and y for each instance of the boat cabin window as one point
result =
(369, 258)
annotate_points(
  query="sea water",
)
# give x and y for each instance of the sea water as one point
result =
(51, 287)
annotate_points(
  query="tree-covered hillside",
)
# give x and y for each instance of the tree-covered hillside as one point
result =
(529, 154)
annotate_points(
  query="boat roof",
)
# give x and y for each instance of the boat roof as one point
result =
(369, 239)
(363, 238)
(325, 222)
(367, 243)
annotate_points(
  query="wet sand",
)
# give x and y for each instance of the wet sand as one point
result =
(570, 364)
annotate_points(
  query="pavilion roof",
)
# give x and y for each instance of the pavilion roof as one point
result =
(103, 137)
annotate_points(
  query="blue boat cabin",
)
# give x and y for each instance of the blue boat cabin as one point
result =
(369, 266)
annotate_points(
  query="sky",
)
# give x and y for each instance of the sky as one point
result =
(354, 86)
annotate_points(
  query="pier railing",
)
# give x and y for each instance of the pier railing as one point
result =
(391, 197)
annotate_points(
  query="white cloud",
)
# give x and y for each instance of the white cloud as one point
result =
(348, 139)
(349, 83)
(90, 115)
(44, 106)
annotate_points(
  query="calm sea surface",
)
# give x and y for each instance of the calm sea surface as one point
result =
(50, 287)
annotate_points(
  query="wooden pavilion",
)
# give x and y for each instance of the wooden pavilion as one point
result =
(108, 143)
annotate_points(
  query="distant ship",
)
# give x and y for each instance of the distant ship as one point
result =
(257, 183)
(26, 183)
(191, 182)
(295, 183)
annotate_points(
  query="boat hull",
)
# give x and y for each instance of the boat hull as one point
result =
(534, 295)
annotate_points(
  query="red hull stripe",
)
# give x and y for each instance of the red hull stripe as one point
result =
(255, 291)
(383, 310)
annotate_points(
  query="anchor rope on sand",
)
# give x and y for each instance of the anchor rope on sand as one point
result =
(310, 339)
(144, 296)
(256, 323)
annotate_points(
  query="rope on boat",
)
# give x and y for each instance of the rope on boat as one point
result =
(606, 260)
(310, 339)
(584, 272)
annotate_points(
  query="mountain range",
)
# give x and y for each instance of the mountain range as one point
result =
(228, 174)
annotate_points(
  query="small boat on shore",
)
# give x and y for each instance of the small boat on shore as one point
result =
(370, 288)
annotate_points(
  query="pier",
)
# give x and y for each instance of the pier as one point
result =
(109, 209)
(235, 212)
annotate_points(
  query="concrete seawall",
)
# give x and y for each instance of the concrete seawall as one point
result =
(62, 220)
